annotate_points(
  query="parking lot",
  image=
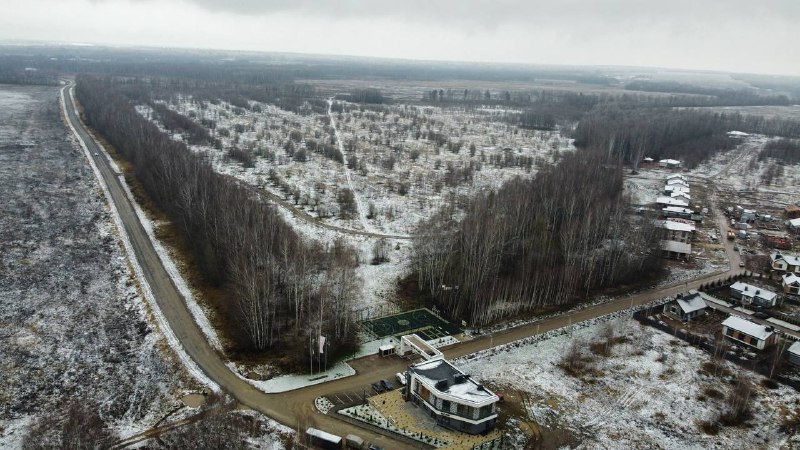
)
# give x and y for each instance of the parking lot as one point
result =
(350, 398)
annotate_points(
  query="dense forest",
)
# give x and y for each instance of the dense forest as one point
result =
(787, 151)
(538, 243)
(279, 288)
(687, 134)
(706, 96)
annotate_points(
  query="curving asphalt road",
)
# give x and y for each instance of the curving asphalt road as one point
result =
(295, 408)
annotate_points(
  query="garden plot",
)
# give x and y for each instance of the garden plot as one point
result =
(401, 171)
(405, 162)
(74, 325)
(744, 179)
(649, 392)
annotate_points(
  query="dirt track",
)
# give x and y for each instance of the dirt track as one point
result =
(296, 407)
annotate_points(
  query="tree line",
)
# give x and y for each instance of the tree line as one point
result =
(280, 290)
(785, 150)
(537, 243)
(691, 135)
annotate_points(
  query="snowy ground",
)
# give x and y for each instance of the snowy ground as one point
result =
(74, 325)
(649, 393)
(401, 176)
(73, 322)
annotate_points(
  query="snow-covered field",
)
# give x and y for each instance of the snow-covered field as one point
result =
(399, 174)
(74, 325)
(649, 393)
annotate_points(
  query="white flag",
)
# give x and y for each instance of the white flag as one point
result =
(322, 344)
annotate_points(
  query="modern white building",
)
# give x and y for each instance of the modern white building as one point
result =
(748, 333)
(749, 294)
(452, 398)
(785, 262)
(790, 283)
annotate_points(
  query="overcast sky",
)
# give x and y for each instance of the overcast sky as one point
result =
(759, 36)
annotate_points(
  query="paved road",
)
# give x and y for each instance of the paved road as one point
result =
(296, 407)
(288, 409)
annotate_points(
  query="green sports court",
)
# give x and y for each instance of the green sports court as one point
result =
(420, 321)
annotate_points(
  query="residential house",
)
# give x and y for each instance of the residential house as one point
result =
(680, 195)
(687, 307)
(748, 216)
(785, 262)
(670, 163)
(749, 294)
(748, 333)
(677, 211)
(669, 201)
(669, 189)
(673, 230)
(677, 182)
(675, 249)
(678, 176)
(793, 354)
(794, 225)
(790, 283)
(453, 398)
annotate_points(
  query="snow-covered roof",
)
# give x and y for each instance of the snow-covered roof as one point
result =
(683, 194)
(791, 259)
(670, 161)
(794, 223)
(677, 209)
(676, 175)
(753, 291)
(440, 376)
(737, 133)
(671, 201)
(677, 247)
(692, 303)
(676, 188)
(749, 328)
(677, 182)
(790, 279)
(795, 348)
(675, 226)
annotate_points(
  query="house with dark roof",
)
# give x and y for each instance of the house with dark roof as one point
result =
(454, 399)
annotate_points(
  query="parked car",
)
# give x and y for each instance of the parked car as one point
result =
(387, 385)
(374, 447)
(761, 315)
(741, 263)
(401, 378)
(378, 387)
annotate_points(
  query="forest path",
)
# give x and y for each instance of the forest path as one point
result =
(362, 214)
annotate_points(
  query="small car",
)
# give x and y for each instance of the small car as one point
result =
(387, 385)
(378, 387)
(741, 263)
(761, 315)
